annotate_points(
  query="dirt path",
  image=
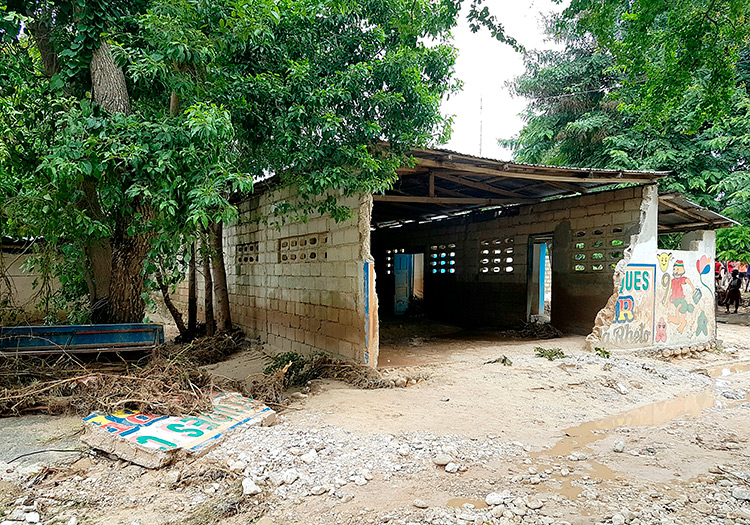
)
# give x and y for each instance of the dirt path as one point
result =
(584, 439)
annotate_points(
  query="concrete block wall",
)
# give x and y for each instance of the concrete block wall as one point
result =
(589, 234)
(300, 286)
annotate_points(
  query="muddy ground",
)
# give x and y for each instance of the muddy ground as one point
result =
(582, 439)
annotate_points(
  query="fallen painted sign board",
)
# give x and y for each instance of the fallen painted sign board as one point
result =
(154, 441)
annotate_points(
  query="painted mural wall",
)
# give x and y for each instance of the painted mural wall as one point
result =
(664, 298)
(667, 301)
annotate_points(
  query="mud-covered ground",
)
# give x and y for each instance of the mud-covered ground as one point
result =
(583, 439)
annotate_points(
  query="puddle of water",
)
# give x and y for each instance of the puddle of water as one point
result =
(646, 416)
(725, 370)
(580, 437)
(458, 503)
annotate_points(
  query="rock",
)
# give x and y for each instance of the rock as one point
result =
(494, 498)
(297, 396)
(741, 493)
(400, 382)
(533, 470)
(318, 490)
(289, 476)
(18, 514)
(310, 457)
(451, 467)
(420, 504)
(276, 479)
(442, 459)
(73, 521)
(618, 519)
(237, 466)
(619, 446)
(533, 503)
(518, 511)
(346, 498)
(535, 480)
(249, 488)
(32, 517)
(404, 450)
(578, 456)
(564, 472)
(173, 476)
(360, 481)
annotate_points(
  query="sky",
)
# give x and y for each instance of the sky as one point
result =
(485, 65)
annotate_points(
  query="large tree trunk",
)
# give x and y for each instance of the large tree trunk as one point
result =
(126, 303)
(108, 81)
(40, 30)
(192, 293)
(223, 315)
(126, 286)
(208, 288)
(176, 315)
(99, 255)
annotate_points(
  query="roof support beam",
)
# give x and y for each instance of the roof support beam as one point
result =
(480, 186)
(442, 201)
(683, 211)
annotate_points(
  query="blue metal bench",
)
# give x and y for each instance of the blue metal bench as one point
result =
(39, 340)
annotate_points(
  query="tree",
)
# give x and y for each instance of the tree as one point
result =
(671, 54)
(127, 125)
(580, 114)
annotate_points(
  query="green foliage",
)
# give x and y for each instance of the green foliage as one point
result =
(549, 353)
(599, 101)
(733, 244)
(301, 368)
(307, 90)
(671, 54)
(601, 352)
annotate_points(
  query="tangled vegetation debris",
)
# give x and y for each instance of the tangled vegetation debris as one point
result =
(168, 382)
(504, 360)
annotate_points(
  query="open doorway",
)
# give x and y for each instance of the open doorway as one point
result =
(539, 305)
(408, 273)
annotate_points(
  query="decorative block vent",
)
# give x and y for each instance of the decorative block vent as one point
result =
(497, 255)
(442, 259)
(247, 253)
(598, 249)
(303, 248)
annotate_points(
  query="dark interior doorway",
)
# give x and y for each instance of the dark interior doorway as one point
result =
(539, 304)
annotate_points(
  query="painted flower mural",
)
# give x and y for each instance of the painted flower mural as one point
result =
(703, 265)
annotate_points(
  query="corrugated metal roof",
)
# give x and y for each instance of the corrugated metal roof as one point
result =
(601, 171)
(678, 214)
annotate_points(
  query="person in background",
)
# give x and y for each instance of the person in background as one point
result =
(733, 291)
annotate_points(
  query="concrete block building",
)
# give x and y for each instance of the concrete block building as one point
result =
(478, 242)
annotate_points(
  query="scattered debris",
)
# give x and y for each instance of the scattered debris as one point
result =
(154, 441)
(550, 353)
(504, 360)
(169, 383)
